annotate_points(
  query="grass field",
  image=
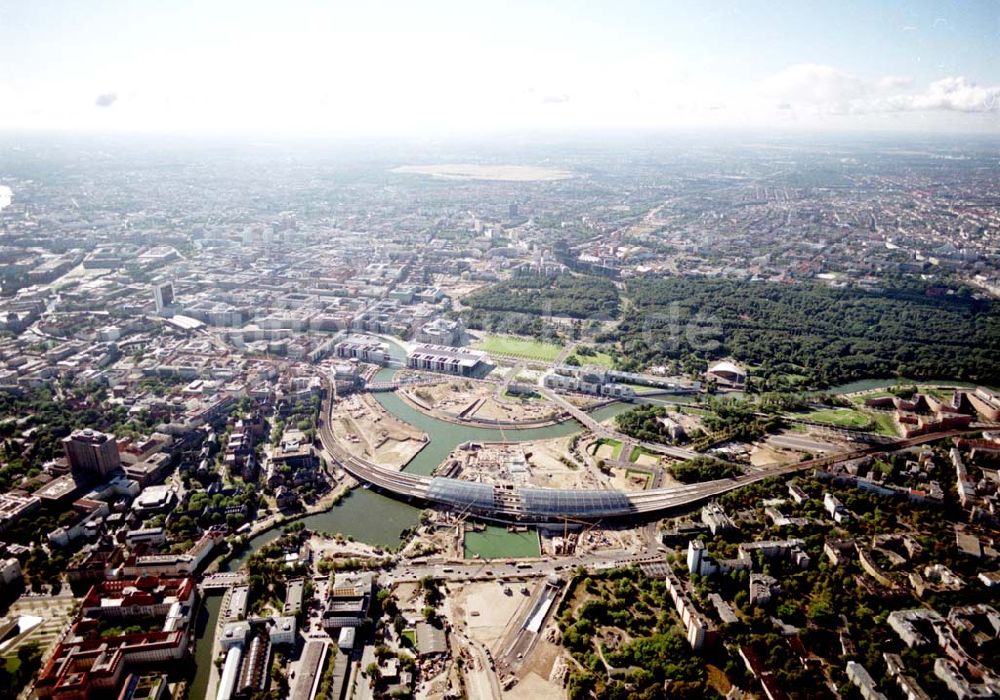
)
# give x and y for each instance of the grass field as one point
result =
(601, 359)
(841, 417)
(496, 543)
(637, 452)
(411, 635)
(885, 425)
(795, 378)
(859, 399)
(615, 445)
(526, 348)
(642, 389)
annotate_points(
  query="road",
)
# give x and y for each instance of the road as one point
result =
(602, 430)
(482, 676)
(615, 503)
(796, 442)
(518, 646)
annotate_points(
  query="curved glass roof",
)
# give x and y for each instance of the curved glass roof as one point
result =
(574, 503)
(461, 493)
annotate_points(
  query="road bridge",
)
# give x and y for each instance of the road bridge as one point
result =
(530, 504)
(222, 580)
(601, 430)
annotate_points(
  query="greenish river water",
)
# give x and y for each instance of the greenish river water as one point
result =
(205, 635)
(379, 520)
(363, 515)
(496, 543)
(446, 436)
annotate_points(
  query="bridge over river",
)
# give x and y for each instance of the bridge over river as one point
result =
(514, 503)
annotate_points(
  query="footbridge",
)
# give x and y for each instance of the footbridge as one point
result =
(602, 430)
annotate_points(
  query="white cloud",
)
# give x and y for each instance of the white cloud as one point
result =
(954, 94)
(813, 84)
(822, 89)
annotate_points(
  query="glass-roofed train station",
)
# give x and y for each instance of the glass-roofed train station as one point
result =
(528, 503)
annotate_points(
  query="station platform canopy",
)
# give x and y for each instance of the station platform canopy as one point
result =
(579, 504)
(460, 493)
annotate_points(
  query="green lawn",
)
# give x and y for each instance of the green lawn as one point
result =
(842, 417)
(12, 663)
(885, 424)
(616, 447)
(859, 400)
(637, 452)
(795, 378)
(601, 359)
(411, 635)
(526, 348)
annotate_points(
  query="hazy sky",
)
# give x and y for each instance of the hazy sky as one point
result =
(427, 65)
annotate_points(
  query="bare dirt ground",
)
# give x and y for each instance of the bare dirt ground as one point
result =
(487, 610)
(548, 471)
(481, 400)
(762, 455)
(646, 460)
(329, 547)
(605, 451)
(431, 541)
(534, 683)
(365, 429)
(515, 409)
(545, 467)
(626, 481)
(453, 396)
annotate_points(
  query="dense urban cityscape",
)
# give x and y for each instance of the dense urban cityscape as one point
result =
(516, 350)
(315, 423)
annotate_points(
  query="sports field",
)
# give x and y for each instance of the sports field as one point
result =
(526, 348)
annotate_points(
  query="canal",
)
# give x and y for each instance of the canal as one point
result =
(205, 639)
(379, 520)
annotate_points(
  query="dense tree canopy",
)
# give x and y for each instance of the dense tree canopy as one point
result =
(829, 335)
(576, 296)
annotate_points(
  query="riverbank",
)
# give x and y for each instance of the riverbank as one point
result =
(416, 404)
(278, 520)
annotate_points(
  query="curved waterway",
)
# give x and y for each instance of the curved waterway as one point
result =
(379, 520)
(370, 517)
(364, 515)
(445, 436)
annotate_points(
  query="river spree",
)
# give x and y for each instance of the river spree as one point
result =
(205, 639)
(364, 515)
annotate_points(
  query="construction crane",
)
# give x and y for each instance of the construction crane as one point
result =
(567, 520)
